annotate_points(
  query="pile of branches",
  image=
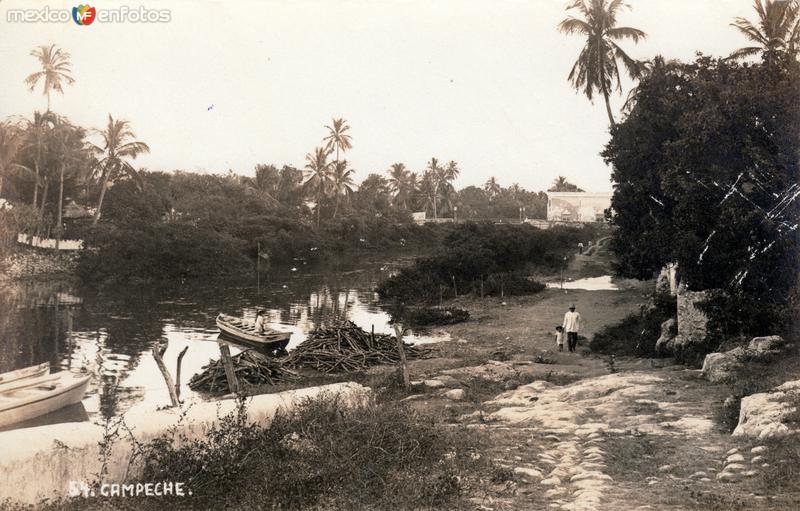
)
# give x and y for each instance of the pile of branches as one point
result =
(346, 347)
(249, 366)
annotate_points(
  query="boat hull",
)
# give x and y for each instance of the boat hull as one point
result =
(30, 402)
(271, 341)
(24, 373)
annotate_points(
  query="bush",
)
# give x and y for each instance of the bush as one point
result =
(637, 333)
(326, 455)
(427, 316)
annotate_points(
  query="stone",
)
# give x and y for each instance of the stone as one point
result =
(766, 344)
(692, 321)
(762, 415)
(455, 394)
(551, 481)
(734, 458)
(731, 467)
(722, 367)
(751, 473)
(528, 472)
(727, 477)
(554, 492)
(493, 370)
(758, 449)
(698, 475)
(669, 329)
(757, 459)
(665, 468)
(732, 451)
(433, 384)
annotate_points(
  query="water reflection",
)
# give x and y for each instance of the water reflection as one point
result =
(112, 334)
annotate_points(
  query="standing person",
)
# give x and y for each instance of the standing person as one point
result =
(580, 247)
(572, 324)
(560, 337)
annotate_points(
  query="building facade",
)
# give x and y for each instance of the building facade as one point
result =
(577, 206)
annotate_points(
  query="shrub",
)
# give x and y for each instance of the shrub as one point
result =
(426, 316)
(637, 333)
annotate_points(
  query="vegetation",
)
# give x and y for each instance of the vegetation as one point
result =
(706, 166)
(596, 68)
(483, 259)
(561, 184)
(325, 455)
(429, 316)
(776, 33)
(637, 334)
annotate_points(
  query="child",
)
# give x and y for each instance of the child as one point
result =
(560, 337)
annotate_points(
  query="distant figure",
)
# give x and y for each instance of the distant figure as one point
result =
(259, 326)
(572, 324)
(560, 337)
(580, 247)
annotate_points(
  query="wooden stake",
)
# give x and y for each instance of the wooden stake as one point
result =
(398, 330)
(178, 372)
(157, 355)
(227, 364)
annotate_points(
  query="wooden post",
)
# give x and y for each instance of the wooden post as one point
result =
(227, 364)
(178, 372)
(158, 354)
(455, 289)
(398, 330)
(481, 286)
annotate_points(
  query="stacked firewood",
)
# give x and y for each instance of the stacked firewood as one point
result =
(249, 366)
(346, 347)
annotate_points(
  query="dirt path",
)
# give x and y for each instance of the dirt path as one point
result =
(589, 432)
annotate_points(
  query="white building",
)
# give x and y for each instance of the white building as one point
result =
(577, 206)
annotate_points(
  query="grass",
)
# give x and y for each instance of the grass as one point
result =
(325, 455)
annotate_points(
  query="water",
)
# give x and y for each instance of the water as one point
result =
(603, 283)
(111, 335)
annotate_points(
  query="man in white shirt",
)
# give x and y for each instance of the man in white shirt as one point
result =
(572, 324)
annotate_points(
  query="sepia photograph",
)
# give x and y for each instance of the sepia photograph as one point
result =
(400, 255)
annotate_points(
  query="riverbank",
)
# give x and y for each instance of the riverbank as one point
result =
(31, 263)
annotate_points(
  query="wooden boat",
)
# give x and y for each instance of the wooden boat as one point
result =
(239, 330)
(24, 373)
(39, 396)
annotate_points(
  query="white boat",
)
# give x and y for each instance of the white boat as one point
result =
(24, 373)
(38, 396)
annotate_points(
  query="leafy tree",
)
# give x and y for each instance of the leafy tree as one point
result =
(492, 187)
(596, 68)
(561, 184)
(706, 174)
(776, 32)
(119, 145)
(56, 71)
(11, 140)
(266, 182)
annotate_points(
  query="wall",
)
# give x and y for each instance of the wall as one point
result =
(49, 243)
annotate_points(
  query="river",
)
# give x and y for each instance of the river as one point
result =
(111, 334)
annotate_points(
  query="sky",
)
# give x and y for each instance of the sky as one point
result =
(228, 85)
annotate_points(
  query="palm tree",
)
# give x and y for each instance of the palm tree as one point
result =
(342, 182)
(433, 174)
(38, 132)
(337, 137)
(119, 144)
(71, 150)
(11, 139)
(56, 70)
(319, 175)
(596, 68)
(492, 187)
(562, 184)
(777, 30)
(402, 183)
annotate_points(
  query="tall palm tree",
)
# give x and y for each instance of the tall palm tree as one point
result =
(119, 144)
(402, 183)
(342, 182)
(596, 69)
(337, 136)
(56, 70)
(492, 187)
(38, 132)
(318, 176)
(434, 173)
(71, 151)
(776, 31)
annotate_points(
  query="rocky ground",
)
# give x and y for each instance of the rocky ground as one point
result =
(585, 432)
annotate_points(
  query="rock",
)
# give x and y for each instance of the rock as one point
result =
(727, 477)
(433, 384)
(758, 449)
(493, 371)
(757, 459)
(763, 415)
(414, 397)
(698, 475)
(734, 458)
(733, 467)
(751, 473)
(665, 468)
(531, 473)
(454, 395)
(721, 367)
(766, 344)
(668, 330)
(551, 481)
(732, 451)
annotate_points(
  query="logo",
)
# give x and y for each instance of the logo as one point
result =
(84, 15)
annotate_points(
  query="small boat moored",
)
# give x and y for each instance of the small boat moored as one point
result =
(26, 399)
(24, 373)
(244, 332)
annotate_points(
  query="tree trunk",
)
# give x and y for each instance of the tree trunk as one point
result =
(36, 183)
(60, 206)
(100, 200)
(1, 186)
(319, 205)
(608, 108)
(158, 357)
(336, 208)
(44, 198)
